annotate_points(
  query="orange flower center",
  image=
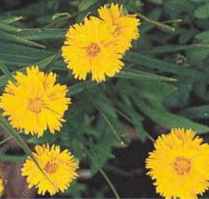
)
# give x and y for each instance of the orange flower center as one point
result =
(182, 165)
(93, 49)
(50, 167)
(35, 105)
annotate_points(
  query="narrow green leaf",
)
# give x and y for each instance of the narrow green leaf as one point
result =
(6, 72)
(11, 158)
(169, 120)
(175, 48)
(197, 112)
(163, 66)
(141, 75)
(9, 28)
(10, 19)
(81, 86)
(46, 61)
(42, 34)
(85, 4)
(20, 55)
(13, 38)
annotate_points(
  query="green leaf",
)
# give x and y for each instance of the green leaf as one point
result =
(100, 152)
(10, 19)
(169, 120)
(40, 34)
(203, 37)
(19, 55)
(85, 4)
(130, 114)
(159, 2)
(141, 75)
(197, 112)
(197, 56)
(46, 61)
(202, 12)
(9, 28)
(161, 65)
(81, 86)
(16, 39)
(6, 72)
(11, 158)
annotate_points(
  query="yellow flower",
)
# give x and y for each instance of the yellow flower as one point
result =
(59, 166)
(34, 102)
(89, 49)
(1, 186)
(179, 165)
(125, 25)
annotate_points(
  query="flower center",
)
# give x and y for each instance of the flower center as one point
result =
(93, 49)
(182, 165)
(35, 105)
(50, 167)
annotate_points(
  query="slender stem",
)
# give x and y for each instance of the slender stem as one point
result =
(6, 139)
(128, 119)
(150, 138)
(113, 129)
(173, 21)
(159, 24)
(110, 184)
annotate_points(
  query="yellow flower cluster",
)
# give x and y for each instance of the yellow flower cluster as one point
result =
(179, 165)
(34, 102)
(97, 45)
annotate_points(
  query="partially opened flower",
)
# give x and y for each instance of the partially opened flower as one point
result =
(34, 102)
(125, 25)
(59, 168)
(89, 48)
(179, 165)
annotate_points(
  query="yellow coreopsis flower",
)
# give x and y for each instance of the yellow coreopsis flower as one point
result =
(179, 165)
(125, 25)
(89, 48)
(1, 186)
(34, 102)
(59, 167)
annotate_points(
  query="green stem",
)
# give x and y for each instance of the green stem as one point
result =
(173, 21)
(113, 129)
(110, 184)
(5, 140)
(159, 24)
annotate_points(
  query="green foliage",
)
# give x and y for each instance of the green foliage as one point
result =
(165, 72)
